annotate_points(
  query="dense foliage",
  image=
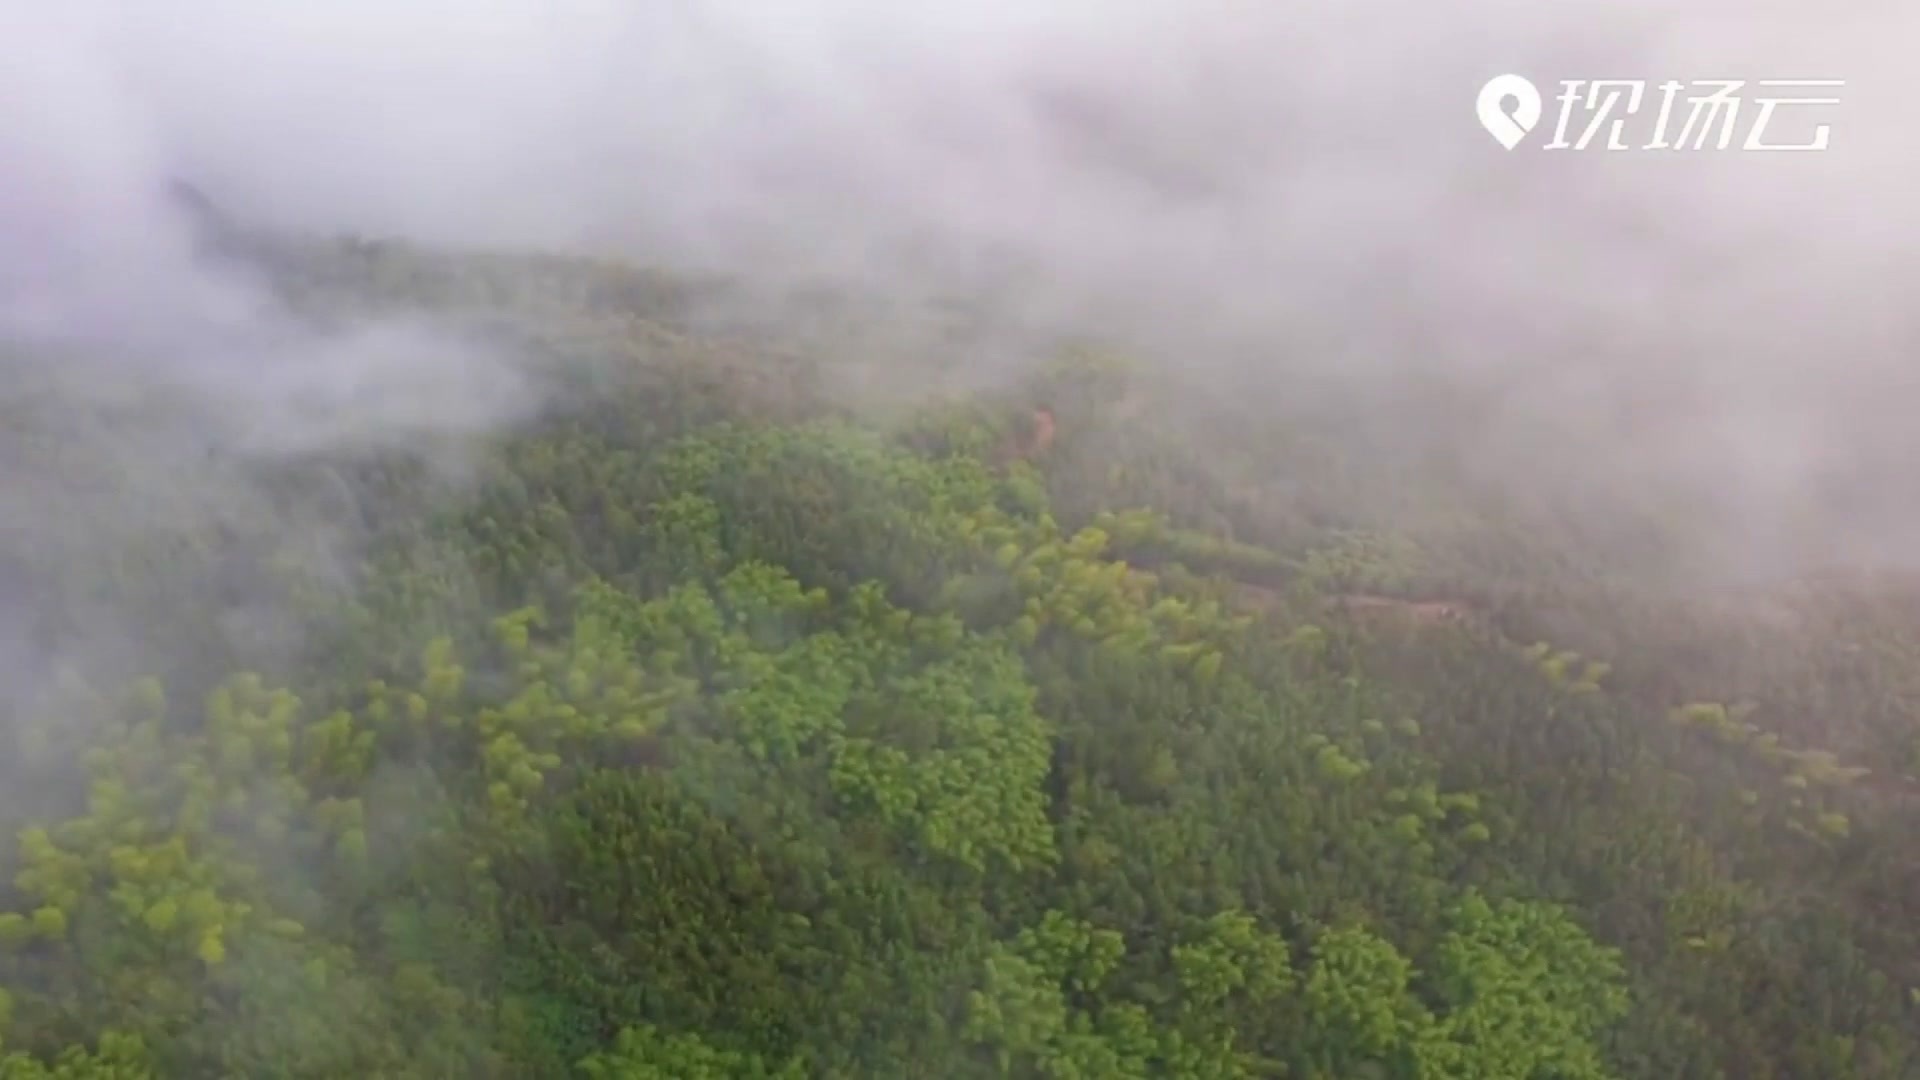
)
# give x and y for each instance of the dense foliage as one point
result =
(705, 733)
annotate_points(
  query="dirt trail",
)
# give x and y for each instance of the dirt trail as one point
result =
(1424, 612)
(1370, 607)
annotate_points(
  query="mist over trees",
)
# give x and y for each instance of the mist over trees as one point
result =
(618, 540)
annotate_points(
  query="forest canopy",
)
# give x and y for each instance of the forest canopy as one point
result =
(711, 727)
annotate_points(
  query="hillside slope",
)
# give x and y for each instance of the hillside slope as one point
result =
(718, 721)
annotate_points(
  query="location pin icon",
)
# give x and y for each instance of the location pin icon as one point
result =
(1509, 129)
